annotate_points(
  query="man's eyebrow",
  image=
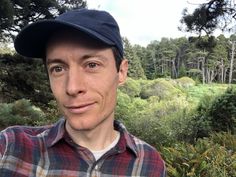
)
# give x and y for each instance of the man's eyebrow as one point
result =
(54, 60)
(96, 55)
(83, 58)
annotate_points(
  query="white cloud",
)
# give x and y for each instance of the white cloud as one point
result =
(143, 21)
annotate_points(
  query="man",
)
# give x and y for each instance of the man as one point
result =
(83, 54)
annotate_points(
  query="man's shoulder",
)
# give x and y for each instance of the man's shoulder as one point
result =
(13, 133)
(149, 157)
(140, 147)
(16, 138)
(145, 148)
(29, 130)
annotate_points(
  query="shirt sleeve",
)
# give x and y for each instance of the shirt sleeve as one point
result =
(2, 143)
(164, 174)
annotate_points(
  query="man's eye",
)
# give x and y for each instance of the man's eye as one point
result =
(56, 69)
(92, 65)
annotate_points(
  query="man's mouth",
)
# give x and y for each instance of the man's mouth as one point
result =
(79, 109)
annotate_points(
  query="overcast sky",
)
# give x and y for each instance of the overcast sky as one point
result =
(144, 21)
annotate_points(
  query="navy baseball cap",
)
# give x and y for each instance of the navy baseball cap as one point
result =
(100, 25)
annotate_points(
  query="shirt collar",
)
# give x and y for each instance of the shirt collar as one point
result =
(57, 132)
(127, 141)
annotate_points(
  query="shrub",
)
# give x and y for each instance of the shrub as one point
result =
(128, 109)
(23, 78)
(148, 128)
(157, 122)
(52, 114)
(131, 87)
(225, 139)
(140, 119)
(124, 106)
(160, 88)
(196, 74)
(21, 112)
(165, 108)
(212, 111)
(206, 158)
(185, 82)
(223, 112)
(179, 127)
(200, 121)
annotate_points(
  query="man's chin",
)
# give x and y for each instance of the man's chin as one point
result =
(79, 125)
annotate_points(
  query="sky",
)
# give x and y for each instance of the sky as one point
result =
(145, 21)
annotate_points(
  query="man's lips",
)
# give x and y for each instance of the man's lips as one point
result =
(79, 109)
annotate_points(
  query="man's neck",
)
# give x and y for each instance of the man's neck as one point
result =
(96, 139)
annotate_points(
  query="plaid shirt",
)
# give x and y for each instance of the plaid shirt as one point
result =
(49, 151)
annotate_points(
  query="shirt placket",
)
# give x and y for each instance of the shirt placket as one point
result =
(96, 168)
(96, 171)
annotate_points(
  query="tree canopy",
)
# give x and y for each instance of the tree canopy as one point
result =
(209, 16)
(15, 14)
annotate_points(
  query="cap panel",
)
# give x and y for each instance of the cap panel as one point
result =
(100, 25)
(32, 41)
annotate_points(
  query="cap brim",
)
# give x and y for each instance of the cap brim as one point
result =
(32, 40)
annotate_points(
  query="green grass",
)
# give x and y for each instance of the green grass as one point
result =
(196, 93)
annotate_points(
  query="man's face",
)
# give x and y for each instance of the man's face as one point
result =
(84, 80)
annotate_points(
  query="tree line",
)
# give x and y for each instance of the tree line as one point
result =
(206, 58)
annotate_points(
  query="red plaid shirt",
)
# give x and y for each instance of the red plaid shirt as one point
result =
(49, 151)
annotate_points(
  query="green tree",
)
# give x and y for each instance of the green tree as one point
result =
(209, 16)
(166, 58)
(135, 68)
(218, 60)
(151, 65)
(223, 112)
(205, 44)
(23, 78)
(141, 53)
(180, 58)
(14, 14)
(20, 112)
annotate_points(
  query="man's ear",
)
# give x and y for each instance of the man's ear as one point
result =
(123, 71)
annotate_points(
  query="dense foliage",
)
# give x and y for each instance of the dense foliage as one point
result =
(14, 14)
(223, 112)
(23, 78)
(213, 156)
(206, 59)
(210, 15)
(20, 112)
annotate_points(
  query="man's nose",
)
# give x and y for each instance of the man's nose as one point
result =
(76, 83)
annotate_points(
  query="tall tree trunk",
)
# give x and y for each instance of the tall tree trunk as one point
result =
(198, 64)
(177, 63)
(154, 63)
(225, 74)
(208, 75)
(162, 66)
(222, 71)
(174, 72)
(231, 63)
(203, 71)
